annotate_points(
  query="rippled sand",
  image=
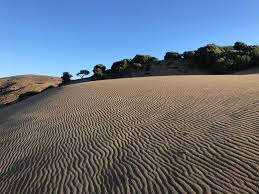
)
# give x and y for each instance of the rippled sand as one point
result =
(182, 134)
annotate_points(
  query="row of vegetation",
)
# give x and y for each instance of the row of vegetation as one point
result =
(212, 58)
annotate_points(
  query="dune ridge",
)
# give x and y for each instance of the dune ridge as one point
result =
(183, 134)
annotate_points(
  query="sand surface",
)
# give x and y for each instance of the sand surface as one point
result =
(182, 134)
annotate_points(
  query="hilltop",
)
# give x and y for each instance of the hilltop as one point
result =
(15, 88)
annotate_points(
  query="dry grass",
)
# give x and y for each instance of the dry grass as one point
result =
(17, 85)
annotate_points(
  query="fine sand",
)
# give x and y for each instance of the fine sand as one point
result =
(178, 134)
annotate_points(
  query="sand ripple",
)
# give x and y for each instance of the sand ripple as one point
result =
(186, 134)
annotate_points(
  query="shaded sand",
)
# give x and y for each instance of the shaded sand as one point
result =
(183, 134)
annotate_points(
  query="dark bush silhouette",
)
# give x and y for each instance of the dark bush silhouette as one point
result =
(99, 71)
(207, 56)
(66, 78)
(240, 46)
(172, 56)
(143, 59)
(121, 65)
(137, 66)
(188, 54)
(83, 73)
(223, 65)
(100, 68)
(211, 58)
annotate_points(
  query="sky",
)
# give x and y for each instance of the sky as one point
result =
(49, 37)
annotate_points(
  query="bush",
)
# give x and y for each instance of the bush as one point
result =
(99, 71)
(143, 59)
(120, 65)
(172, 56)
(66, 78)
(223, 65)
(188, 55)
(242, 62)
(240, 46)
(207, 56)
(137, 66)
(83, 73)
(100, 68)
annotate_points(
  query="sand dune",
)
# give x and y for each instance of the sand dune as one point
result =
(184, 134)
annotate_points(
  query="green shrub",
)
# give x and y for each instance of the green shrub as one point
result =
(172, 56)
(242, 62)
(228, 48)
(143, 59)
(100, 68)
(207, 56)
(240, 46)
(223, 65)
(99, 71)
(137, 66)
(188, 55)
(120, 65)
(66, 78)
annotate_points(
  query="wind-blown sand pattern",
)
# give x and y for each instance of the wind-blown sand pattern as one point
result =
(182, 134)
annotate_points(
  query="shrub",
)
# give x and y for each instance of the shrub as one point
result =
(172, 56)
(228, 48)
(83, 73)
(207, 56)
(242, 62)
(143, 59)
(120, 65)
(66, 78)
(223, 65)
(99, 71)
(137, 66)
(240, 46)
(188, 55)
(100, 68)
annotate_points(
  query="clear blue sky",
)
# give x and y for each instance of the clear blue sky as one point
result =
(52, 36)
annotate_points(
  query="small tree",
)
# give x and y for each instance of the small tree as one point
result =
(66, 77)
(83, 73)
(100, 68)
(99, 71)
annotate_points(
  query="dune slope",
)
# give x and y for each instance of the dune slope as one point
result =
(183, 134)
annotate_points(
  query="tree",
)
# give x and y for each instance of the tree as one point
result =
(99, 68)
(66, 77)
(172, 56)
(83, 73)
(99, 71)
(240, 46)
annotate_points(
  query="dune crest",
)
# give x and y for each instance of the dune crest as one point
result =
(183, 134)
